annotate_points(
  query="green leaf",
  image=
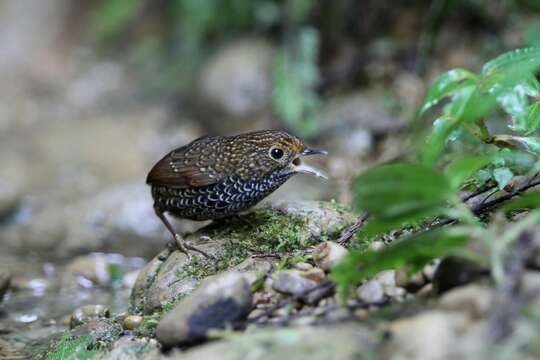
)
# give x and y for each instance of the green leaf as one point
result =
(446, 85)
(398, 193)
(412, 252)
(530, 144)
(509, 80)
(503, 176)
(530, 200)
(460, 170)
(527, 59)
(436, 142)
(515, 102)
(533, 118)
(113, 16)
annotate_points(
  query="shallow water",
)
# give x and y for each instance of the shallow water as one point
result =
(44, 297)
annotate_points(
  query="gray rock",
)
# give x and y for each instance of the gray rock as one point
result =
(117, 219)
(322, 217)
(412, 282)
(146, 278)
(221, 301)
(430, 335)
(386, 278)
(93, 267)
(371, 292)
(129, 348)
(328, 254)
(293, 282)
(169, 283)
(299, 343)
(254, 268)
(12, 183)
(530, 284)
(88, 312)
(476, 300)
(237, 78)
(5, 279)
(163, 280)
(429, 270)
(99, 328)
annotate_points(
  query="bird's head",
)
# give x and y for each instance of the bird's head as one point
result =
(279, 151)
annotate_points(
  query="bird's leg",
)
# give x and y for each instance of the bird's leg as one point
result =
(178, 242)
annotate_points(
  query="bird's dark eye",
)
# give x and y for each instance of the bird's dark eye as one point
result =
(276, 153)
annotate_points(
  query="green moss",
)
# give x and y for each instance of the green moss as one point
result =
(340, 208)
(263, 231)
(150, 322)
(69, 347)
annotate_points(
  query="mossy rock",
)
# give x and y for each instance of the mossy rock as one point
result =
(283, 228)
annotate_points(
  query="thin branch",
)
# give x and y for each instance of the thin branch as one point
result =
(487, 206)
(482, 189)
(349, 233)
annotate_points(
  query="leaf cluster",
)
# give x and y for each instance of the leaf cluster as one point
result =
(400, 195)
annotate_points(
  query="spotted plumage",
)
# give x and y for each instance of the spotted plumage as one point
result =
(215, 177)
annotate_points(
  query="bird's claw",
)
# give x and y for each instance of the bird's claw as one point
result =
(184, 246)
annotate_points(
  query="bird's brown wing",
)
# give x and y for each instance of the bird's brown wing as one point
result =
(187, 166)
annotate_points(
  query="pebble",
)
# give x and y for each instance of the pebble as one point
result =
(473, 299)
(411, 282)
(371, 292)
(327, 254)
(292, 282)
(87, 313)
(92, 267)
(429, 335)
(131, 322)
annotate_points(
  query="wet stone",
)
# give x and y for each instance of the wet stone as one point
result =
(221, 301)
(327, 254)
(167, 285)
(131, 322)
(170, 275)
(87, 313)
(299, 343)
(293, 282)
(473, 299)
(371, 292)
(5, 279)
(429, 335)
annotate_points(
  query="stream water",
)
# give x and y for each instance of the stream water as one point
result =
(44, 296)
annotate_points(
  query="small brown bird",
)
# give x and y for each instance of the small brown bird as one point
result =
(215, 177)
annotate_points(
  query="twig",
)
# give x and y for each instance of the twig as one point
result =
(349, 233)
(482, 189)
(487, 206)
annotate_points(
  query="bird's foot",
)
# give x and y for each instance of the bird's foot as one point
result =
(184, 246)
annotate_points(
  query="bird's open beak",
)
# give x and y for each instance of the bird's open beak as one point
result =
(298, 164)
